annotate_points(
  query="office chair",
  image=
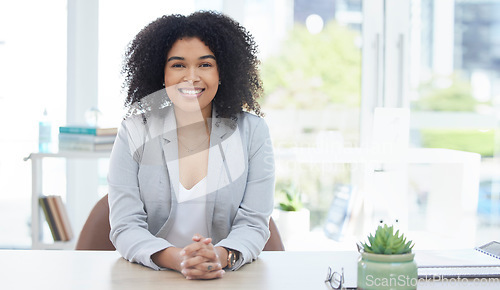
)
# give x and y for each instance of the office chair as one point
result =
(95, 232)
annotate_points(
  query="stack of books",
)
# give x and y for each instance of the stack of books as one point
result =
(86, 138)
(57, 217)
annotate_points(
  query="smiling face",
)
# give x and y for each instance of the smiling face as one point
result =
(191, 76)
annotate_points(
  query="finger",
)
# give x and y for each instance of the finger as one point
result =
(192, 248)
(208, 267)
(201, 269)
(208, 254)
(197, 238)
(195, 274)
(191, 262)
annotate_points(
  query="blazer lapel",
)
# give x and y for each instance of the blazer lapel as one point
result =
(170, 152)
(217, 177)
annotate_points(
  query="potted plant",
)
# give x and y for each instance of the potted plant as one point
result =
(387, 262)
(291, 216)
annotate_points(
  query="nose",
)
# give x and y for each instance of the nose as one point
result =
(191, 76)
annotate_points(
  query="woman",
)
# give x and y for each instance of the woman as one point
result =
(191, 176)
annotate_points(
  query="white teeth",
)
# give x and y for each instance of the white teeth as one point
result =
(190, 92)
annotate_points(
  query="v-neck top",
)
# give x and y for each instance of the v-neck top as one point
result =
(190, 217)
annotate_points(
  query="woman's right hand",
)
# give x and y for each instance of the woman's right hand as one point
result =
(200, 260)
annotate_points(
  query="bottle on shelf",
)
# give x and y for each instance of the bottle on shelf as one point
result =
(44, 133)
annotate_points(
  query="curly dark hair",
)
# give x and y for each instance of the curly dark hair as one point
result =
(234, 49)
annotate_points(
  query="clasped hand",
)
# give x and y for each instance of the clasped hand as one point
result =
(200, 260)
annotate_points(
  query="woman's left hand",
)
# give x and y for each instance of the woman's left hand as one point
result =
(200, 260)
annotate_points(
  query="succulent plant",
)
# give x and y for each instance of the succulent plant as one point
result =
(387, 242)
(292, 200)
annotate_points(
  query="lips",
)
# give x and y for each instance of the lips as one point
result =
(191, 92)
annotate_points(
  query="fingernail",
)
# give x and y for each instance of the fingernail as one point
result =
(222, 272)
(182, 264)
(182, 253)
(189, 278)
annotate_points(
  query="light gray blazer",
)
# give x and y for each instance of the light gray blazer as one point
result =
(144, 180)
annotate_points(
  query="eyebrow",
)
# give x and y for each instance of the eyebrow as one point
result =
(181, 58)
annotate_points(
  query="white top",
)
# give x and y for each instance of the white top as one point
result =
(190, 217)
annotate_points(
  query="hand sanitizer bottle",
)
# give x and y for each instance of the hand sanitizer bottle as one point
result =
(44, 133)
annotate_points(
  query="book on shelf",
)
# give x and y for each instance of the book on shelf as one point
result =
(44, 203)
(85, 142)
(85, 146)
(85, 138)
(66, 225)
(89, 130)
(56, 217)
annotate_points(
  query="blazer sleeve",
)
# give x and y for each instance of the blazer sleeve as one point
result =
(129, 229)
(250, 229)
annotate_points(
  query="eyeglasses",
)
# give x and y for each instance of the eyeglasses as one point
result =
(335, 279)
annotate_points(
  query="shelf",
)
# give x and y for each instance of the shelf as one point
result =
(37, 190)
(70, 154)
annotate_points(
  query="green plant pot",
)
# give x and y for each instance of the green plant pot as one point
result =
(376, 271)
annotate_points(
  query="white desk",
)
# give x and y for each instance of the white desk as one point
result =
(53, 269)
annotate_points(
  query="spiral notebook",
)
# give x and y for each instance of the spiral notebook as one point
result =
(480, 262)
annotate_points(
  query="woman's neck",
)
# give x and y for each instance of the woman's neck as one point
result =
(192, 123)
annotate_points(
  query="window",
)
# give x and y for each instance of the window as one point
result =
(33, 77)
(454, 94)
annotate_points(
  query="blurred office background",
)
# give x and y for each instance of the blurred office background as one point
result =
(326, 66)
